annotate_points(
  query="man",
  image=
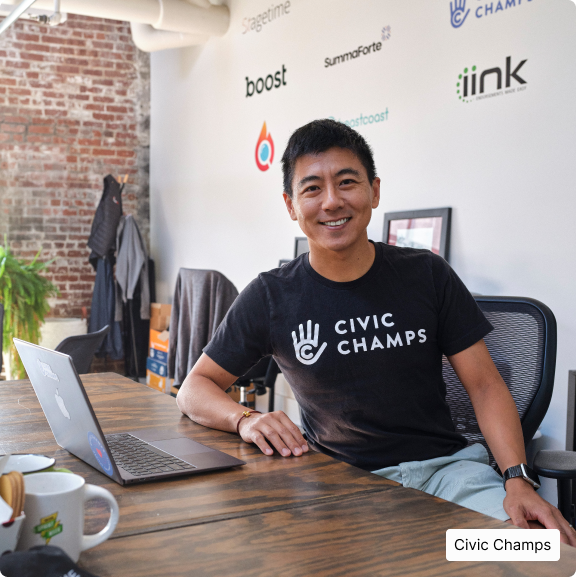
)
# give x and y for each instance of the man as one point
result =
(359, 329)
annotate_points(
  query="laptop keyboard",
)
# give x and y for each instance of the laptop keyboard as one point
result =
(140, 459)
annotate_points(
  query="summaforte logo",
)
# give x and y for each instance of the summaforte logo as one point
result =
(264, 150)
(459, 12)
(474, 84)
(353, 54)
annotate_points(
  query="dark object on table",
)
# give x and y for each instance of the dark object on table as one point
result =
(429, 229)
(523, 348)
(44, 561)
(201, 300)
(82, 348)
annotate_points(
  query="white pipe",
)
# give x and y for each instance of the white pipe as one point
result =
(175, 15)
(148, 39)
(15, 14)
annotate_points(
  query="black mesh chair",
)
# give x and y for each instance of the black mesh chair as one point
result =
(523, 348)
(82, 348)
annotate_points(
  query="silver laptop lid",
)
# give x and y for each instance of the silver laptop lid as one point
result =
(66, 406)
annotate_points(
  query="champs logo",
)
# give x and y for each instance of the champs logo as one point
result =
(474, 84)
(459, 12)
(264, 150)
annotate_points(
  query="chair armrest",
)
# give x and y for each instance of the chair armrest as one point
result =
(555, 464)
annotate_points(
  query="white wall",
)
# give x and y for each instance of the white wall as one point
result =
(506, 164)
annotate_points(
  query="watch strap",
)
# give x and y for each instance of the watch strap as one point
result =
(523, 471)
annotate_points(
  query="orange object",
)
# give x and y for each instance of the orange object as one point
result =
(159, 340)
(157, 382)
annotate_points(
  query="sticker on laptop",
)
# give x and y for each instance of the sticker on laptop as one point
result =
(100, 453)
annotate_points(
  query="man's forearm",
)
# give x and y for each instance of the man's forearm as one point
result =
(207, 404)
(498, 420)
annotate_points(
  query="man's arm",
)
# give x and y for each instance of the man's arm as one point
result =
(202, 397)
(500, 424)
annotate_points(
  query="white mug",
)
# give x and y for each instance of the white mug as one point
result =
(54, 508)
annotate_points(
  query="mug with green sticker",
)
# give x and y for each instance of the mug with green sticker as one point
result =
(54, 508)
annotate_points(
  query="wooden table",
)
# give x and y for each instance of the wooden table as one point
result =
(310, 515)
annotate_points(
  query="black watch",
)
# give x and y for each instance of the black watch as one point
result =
(523, 471)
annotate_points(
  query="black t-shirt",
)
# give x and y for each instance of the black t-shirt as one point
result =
(364, 358)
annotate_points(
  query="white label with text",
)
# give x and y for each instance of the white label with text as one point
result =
(503, 545)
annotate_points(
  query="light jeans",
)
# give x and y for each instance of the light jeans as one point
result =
(464, 478)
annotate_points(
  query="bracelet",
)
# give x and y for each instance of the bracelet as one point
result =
(245, 415)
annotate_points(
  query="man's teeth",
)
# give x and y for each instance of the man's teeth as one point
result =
(336, 222)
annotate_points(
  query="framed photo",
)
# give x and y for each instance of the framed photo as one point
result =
(301, 246)
(428, 229)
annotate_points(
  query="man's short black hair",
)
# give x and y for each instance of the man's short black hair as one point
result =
(318, 136)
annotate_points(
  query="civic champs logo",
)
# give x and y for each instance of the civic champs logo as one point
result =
(264, 150)
(474, 84)
(459, 12)
(304, 347)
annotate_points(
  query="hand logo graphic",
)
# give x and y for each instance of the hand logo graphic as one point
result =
(456, 11)
(304, 349)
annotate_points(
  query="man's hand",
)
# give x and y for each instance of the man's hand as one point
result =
(523, 504)
(275, 428)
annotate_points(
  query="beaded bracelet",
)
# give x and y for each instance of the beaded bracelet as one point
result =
(245, 415)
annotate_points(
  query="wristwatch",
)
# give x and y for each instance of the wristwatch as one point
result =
(523, 471)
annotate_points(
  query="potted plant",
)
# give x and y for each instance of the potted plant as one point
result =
(24, 292)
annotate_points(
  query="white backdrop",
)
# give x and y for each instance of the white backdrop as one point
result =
(504, 163)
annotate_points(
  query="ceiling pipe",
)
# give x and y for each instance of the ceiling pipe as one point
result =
(15, 14)
(148, 39)
(195, 17)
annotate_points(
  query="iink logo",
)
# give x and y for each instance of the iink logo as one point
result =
(264, 150)
(458, 13)
(471, 83)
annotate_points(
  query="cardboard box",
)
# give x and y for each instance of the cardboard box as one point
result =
(159, 356)
(154, 366)
(157, 382)
(159, 340)
(160, 316)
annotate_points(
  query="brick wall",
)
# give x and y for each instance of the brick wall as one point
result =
(74, 107)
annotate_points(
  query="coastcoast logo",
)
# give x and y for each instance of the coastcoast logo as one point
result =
(473, 84)
(459, 12)
(264, 150)
(364, 119)
(353, 54)
(256, 23)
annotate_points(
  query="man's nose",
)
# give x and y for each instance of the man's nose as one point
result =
(332, 199)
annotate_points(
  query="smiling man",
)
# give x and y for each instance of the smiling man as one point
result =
(359, 329)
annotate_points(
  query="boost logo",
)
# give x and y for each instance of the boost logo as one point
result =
(264, 150)
(269, 82)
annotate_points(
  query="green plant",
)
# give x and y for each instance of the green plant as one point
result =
(24, 292)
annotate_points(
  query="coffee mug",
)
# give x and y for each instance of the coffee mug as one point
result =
(54, 508)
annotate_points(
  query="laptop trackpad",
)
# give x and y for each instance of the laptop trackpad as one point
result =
(180, 447)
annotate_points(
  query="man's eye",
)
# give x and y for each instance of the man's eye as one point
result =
(311, 188)
(347, 181)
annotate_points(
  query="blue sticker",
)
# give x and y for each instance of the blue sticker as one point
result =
(100, 453)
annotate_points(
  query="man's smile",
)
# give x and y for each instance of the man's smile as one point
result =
(336, 222)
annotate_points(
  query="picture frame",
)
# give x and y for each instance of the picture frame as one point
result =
(429, 229)
(301, 246)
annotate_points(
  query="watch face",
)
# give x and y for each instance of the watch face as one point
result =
(530, 476)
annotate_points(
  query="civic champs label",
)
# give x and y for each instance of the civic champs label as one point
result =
(503, 545)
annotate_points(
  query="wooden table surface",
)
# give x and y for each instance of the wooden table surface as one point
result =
(273, 516)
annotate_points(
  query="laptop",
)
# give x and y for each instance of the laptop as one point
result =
(130, 457)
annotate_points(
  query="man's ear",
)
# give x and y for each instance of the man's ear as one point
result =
(376, 193)
(289, 206)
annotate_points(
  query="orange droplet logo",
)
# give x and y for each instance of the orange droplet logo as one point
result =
(264, 150)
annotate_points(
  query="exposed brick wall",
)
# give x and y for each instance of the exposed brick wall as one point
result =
(74, 107)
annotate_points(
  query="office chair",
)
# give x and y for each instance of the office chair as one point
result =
(260, 377)
(523, 348)
(82, 348)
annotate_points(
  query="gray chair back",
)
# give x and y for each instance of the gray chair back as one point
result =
(523, 348)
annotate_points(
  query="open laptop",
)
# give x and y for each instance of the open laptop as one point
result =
(131, 457)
